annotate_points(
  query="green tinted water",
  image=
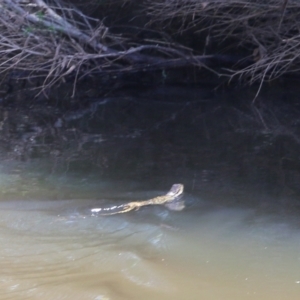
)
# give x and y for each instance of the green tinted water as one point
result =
(238, 238)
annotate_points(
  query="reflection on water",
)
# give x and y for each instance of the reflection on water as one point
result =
(238, 238)
(53, 249)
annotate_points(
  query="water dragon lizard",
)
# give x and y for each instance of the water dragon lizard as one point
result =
(171, 200)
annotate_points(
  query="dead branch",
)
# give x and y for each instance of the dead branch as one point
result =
(269, 29)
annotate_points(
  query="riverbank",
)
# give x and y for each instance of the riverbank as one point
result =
(51, 43)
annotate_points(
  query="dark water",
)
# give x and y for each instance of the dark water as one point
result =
(237, 238)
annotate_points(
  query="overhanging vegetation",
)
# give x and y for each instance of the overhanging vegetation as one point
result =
(250, 40)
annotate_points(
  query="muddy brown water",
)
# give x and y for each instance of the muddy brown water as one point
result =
(238, 238)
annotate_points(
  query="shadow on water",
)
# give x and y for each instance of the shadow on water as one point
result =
(237, 238)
